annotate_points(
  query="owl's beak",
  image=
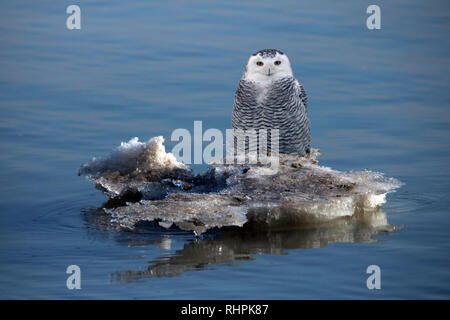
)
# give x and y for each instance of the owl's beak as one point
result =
(269, 73)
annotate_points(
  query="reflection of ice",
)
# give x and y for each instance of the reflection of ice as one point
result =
(165, 243)
(237, 244)
(300, 193)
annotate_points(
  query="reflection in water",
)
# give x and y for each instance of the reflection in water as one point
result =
(233, 244)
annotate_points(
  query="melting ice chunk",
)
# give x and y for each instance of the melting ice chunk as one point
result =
(134, 156)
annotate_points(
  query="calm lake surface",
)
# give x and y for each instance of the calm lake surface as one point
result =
(378, 99)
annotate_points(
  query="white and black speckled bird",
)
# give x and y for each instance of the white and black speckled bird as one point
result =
(269, 97)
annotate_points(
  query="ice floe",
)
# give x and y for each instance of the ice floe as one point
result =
(154, 186)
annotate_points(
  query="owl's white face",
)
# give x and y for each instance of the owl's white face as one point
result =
(264, 67)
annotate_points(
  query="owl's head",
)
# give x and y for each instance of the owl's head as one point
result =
(267, 65)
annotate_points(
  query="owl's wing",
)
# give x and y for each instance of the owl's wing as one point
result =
(301, 131)
(244, 106)
(302, 95)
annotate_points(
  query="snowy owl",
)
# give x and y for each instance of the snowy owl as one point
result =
(269, 97)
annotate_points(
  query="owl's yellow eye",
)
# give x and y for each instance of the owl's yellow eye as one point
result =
(277, 63)
(260, 63)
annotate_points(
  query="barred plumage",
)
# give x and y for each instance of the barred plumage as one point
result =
(276, 100)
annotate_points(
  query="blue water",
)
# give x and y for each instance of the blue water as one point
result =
(378, 99)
